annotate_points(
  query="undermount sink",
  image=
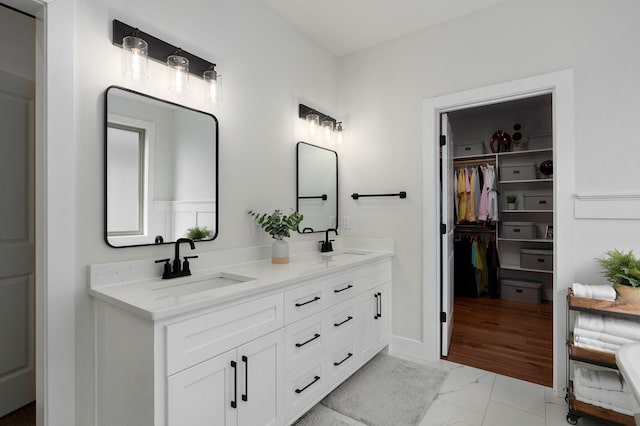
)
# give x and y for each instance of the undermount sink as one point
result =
(345, 253)
(191, 285)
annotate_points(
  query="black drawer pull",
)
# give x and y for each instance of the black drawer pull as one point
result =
(377, 305)
(343, 289)
(235, 385)
(338, 324)
(299, 345)
(467, 148)
(245, 395)
(519, 290)
(380, 304)
(540, 260)
(310, 301)
(315, 379)
(516, 172)
(542, 202)
(516, 229)
(348, 356)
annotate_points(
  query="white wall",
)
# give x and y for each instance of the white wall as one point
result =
(381, 93)
(267, 68)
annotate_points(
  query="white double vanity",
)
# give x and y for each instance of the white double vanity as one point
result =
(249, 344)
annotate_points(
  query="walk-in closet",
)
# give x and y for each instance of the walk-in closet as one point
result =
(497, 215)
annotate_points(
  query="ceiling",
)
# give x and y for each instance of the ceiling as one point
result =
(346, 26)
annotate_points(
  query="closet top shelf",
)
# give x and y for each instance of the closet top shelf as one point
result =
(480, 157)
(605, 307)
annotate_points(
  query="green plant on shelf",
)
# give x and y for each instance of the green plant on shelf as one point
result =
(511, 199)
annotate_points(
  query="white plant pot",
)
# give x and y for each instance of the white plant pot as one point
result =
(511, 206)
(280, 252)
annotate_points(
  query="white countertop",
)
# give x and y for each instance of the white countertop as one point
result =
(156, 298)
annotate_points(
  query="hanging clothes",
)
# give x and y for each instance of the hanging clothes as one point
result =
(483, 210)
(476, 191)
(462, 195)
(471, 209)
(493, 263)
(492, 187)
(456, 200)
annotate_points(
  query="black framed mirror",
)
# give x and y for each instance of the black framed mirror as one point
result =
(161, 171)
(317, 187)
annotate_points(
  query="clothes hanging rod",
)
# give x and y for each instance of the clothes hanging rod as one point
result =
(401, 194)
(323, 196)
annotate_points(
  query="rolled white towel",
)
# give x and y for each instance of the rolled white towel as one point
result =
(604, 337)
(618, 401)
(598, 345)
(612, 326)
(601, 292)
(598, 379)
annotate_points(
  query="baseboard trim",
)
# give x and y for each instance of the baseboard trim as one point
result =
(408, 347)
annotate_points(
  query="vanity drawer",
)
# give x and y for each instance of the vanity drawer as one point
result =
(374, 276)
(342, 320)
(341, 359)
(303, 386)
(192, 341)
(304, 340)
(303, 301)
(339, 288)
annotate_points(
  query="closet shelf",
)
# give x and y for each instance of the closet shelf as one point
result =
(527, 240)
(525, 181)
(517, 268)
(478, 156)
(525, 152)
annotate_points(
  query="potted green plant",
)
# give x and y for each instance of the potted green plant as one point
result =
(623, 271)
(511, 201)
(199, 233)
(279, 226)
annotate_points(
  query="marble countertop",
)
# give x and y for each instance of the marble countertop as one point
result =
(155, 298)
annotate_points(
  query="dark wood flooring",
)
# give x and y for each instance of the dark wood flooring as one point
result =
(25, 416)
(514, 339)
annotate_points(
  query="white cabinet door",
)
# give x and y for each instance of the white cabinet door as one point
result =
(375, 317)
(204, 394)
(261, 381)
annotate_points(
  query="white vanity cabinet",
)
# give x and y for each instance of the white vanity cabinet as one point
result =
(239, 387)
(258, 359)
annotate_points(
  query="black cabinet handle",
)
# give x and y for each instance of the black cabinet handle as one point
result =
(338, 324)
(299, 345)
(315, 379)
(343, 289)
(234, 403)
(245, 396)
(380, 304)
(348, 356)
(376, 315)
(310, 301)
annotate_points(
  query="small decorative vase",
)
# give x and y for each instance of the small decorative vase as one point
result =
(280, 252)
(627, 294)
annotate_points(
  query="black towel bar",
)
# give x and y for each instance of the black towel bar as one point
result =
(401, 194)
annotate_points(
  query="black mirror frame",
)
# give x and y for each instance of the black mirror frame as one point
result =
(217, 144)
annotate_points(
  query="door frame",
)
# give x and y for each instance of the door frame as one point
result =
(55, 206)
(560, 85)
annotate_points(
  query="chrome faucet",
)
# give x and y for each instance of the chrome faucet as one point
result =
(326, 244)
(180, 268)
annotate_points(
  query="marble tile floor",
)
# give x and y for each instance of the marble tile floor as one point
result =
(473, 397)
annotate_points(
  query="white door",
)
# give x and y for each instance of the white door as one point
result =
(447, 219)
(261, 381)
(203, 395)
(17, 307)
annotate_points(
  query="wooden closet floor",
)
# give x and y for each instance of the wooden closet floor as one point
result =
(514, 339)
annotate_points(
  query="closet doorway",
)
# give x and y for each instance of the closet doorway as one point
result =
(497, 194)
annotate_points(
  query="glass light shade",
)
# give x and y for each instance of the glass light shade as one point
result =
(135, 58)
(212, 86)
(314, 122)
(178, 73)
(327, 127)
(339, 132)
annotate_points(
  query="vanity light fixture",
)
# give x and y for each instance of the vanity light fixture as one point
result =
(211, 85)
(135, 57)
(339, 132)
(315, 119)
(178, 72)
(180, 62)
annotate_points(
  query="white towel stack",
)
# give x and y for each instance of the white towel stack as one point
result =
(603, 388)
(604, 333)
(601, 292)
